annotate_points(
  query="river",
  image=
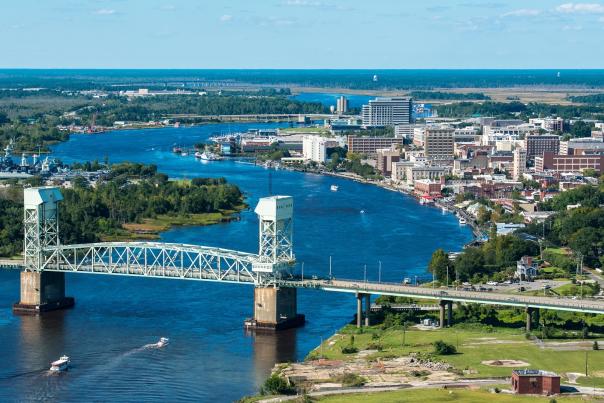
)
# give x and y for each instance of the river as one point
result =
(210, 358)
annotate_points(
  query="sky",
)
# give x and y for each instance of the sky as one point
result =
(301, 34)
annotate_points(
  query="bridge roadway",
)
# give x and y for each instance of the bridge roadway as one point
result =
(479, 297)
(191, 263)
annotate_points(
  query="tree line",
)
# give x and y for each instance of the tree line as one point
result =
(131, 193)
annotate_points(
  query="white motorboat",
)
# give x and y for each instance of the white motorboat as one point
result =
(206, 156)
(334, 188)
(62, 364)
(462, 221)
(163, 341)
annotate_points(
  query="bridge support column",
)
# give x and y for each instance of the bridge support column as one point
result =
(449, 313)
(441, 318)
(529, 319)
(42, 292)
(367, 308)
(359, 310)
(275, 308)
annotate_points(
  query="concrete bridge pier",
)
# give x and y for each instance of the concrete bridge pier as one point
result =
(275, 308)
(448, 306)
(529, 319)
(360, 314)
(42, 292)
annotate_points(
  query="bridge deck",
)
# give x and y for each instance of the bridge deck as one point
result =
(479, 297)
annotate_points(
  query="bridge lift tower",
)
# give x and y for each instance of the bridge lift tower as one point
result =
(41, 290)
(275, 307)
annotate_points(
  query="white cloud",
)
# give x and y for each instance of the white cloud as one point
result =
(522, 12)
(105, 11)
(583, 8)
(168, 7)
(226, 18)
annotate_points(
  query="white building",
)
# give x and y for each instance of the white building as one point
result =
(550, 124)
(342, 105)
(404, 131)
(492, 134)
(387, 111)
(314, 148)
(519, 165)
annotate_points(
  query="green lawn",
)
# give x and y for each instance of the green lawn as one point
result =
(443, 395)
(474, 347)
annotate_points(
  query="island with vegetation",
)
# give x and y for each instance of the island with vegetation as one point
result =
(129, 202)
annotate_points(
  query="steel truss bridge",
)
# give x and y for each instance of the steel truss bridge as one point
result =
(153, 259)
(272, 266)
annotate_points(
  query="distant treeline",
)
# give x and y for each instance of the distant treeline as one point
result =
(437, 95)
(510, 109)
(132, 193)
(155, 108)
(588, 99)
(357, 79)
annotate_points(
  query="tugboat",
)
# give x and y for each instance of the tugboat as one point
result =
(163, 341)
(60, 365)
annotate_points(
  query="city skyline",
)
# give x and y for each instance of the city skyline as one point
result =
(302, 34)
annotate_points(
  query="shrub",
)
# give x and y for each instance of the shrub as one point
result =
(277, 385)
(442, 348)
(350, 379)
(349, 350)
(375, 346)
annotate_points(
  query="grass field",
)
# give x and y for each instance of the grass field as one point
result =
(473, 347)
(443, 395)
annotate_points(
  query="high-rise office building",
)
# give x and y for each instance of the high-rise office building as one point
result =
(387, 111)
(342, 105)
(439, 143)
(535, 145)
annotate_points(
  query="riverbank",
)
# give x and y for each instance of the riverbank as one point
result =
(374, 360)
(151, 228)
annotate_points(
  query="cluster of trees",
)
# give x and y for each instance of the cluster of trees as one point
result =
(353, 164)
(518, 110)
(588, 99)
(495, 259)
(30, 137)
(448, 95)
(581, 228)
(131, 193)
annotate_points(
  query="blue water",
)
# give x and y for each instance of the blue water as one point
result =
(210, 358)
(329, 99)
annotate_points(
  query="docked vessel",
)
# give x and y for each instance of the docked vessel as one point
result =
(163, 341)
(334, 188)
(207, 156)
(62, 364)
(462, 221)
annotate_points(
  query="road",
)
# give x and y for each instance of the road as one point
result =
(480, 297)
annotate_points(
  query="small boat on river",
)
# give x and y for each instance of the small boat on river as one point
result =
(60, 365)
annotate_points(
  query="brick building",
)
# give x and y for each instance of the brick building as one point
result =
(569, 163)
(536, 145)
(535, 382)
(369, 145)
